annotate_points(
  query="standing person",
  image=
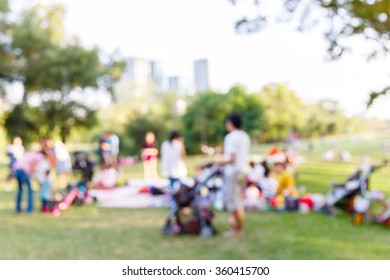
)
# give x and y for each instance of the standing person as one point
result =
(15, 152)
(24, 170)
(105, 151)
(173, 155)
(236, 156)
(45, 191)
(114, 141)
(149, 155)
(63, 163)
(48, 147)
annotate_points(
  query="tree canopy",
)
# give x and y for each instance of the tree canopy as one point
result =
(52, 68)
(368, 19)
(270, 115)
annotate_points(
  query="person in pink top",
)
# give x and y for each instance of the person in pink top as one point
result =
(24, 169)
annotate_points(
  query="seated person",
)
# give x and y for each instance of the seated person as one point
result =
(256, 174)
(268, 185)
(285, 180)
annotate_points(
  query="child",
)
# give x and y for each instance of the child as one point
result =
(45, 192)
(256, 174)
(268, 185)
(286, 181)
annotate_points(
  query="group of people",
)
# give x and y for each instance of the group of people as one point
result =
(38, 165)
(237, 171)
(238, 174)
(109, 150)
(234, 163)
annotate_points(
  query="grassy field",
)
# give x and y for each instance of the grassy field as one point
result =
(95, 233)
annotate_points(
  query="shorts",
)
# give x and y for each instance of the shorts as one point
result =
(234, 186)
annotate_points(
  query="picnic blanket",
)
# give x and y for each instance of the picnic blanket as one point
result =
(132, 195)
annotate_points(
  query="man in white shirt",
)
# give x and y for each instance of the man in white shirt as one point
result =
(236, 156)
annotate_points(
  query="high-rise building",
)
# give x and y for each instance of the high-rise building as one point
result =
(156, 75)
(135, 78)
(201, 71)
(173, 84)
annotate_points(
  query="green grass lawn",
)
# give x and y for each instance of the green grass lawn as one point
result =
(89, 232)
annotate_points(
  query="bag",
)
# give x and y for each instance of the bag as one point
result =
(291, 204)
(184, 196)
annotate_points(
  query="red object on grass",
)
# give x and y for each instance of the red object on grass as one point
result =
(145, 190)
(273, 151)
(308, 201)
(66, 203)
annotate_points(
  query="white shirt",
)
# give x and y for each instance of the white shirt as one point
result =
(256, 174)
(237, 142)
(61, 152)
(16, 150)
(269, 186)
(40, 170)
(172, 164)
(114, 141)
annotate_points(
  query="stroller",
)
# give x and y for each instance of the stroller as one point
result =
(343, 195)
(363, 209)
(85, 169)
(191, 212)
(83, 165)
(371, 206)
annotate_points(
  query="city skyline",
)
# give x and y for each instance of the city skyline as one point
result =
(143, 76)
(279, 54)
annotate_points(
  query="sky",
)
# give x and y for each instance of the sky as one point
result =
(176, 32)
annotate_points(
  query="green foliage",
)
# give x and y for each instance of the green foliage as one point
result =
(58, 119)
(4, 6)
(160, 118)
(134, 134)
(5, 54)
(346, 19)
(51, 68)
(270, 115)
(375, 95)
(204, 122)
(47, 62)
(21, 121)
(284, 112)
(62, 118)
(325, 118)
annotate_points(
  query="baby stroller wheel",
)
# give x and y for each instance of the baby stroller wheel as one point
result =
(327, 210)
(357, 219)
(206, 231)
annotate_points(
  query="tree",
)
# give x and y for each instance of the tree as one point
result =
(5, 51)
(52, 69)
(284, 112)
(204, 122)
(325, 117)
(21, 121)
(369, 19)
(161, 118)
